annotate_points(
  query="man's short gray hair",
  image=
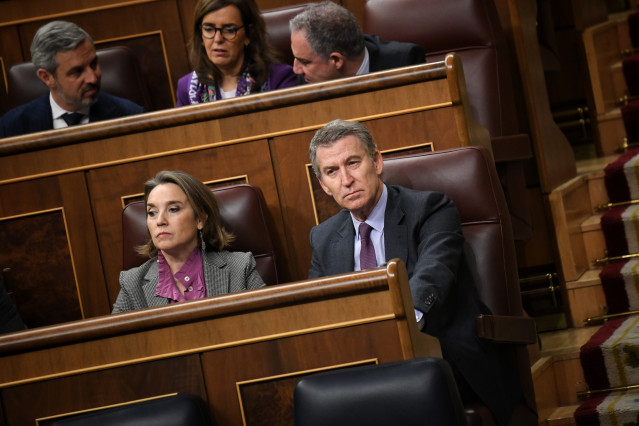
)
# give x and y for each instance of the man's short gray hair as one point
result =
(54, 37)
(329, 28)
(337, 130)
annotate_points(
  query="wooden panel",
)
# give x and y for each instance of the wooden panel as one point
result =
(54, 399)
(151, 52)
(570, 206)
(546, 396)
(187, 7)
(538, 250)
(15, 10)
(570, 377)
(281, 363)
(588, 12)
(40, 276)
(601, 44)
(53, 257)
(553, 153)
(586, 299)
(10, 53)
(610, 132)
(109, 185)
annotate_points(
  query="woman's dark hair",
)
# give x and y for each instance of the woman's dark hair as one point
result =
(259, 53)
(204, 205)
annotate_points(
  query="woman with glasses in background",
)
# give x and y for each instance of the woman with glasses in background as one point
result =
(230, 54)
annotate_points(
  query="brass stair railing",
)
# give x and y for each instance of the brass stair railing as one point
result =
(550, 288)
(587, 393)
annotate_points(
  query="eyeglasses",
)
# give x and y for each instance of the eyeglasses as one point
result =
(228, 33)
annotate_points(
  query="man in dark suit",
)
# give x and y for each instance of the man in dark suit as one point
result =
(423, 229)
(327, 43)
(66, 61)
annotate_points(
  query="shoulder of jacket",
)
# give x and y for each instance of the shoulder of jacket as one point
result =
(138, 272)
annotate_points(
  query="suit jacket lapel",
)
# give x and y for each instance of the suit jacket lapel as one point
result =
(395, 237)
(342, 248)
(216, 276)
(41, 115)
(100, 110)
(150, 286)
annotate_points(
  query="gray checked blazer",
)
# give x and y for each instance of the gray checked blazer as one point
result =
(224, 272)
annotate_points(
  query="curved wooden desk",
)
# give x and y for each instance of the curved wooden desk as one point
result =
(242, 352)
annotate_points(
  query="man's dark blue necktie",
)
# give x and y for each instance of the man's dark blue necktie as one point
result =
(72, 118)
(367, 259)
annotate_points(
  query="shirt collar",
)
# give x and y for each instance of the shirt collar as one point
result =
(190, 275)
(58, 111)
(363, 69)
(376, 218)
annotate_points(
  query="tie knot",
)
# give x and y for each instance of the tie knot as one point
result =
(365, 230)
(72, 118)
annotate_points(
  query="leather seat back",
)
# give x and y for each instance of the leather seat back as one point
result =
(471, 28)
(410, 392)
(277, 28)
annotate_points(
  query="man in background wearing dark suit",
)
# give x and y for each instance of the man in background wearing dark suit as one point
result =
(66, 61)
(423, 229)
(328, 43)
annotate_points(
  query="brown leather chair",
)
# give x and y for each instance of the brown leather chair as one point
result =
(468, 176)
(277, 28)
(121, 76)
(472, 29)
(244, 213)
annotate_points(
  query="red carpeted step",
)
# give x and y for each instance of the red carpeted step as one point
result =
(630, 67)
(614, 277)
(619, 226)
(630, 116)
(620, 177)
(633, 26)
(586, 414)
(611, 357)
(614, 408)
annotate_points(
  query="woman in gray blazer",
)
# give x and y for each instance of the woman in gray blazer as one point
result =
(187, 252)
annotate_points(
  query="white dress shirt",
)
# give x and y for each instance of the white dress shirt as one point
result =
(58, 112)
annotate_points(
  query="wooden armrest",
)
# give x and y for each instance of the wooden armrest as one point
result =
(507, 329)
